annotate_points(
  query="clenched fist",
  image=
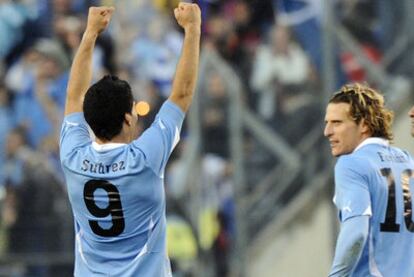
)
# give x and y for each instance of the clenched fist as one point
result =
(98, 19)
(188, 15)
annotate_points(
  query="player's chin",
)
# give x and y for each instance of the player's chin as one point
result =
(335, 152)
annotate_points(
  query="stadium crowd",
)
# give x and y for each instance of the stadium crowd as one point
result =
(276, 54)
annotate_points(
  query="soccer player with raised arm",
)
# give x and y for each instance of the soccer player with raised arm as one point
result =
(116, 182)
(373, 184)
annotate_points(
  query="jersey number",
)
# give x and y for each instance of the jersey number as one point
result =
(390, 223)
(114, 208)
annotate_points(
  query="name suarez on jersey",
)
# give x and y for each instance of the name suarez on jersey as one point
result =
(102, 168)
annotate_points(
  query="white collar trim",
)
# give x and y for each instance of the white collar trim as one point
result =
(107, 146)
(380, 141)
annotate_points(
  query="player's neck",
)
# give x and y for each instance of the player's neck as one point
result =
(117, 139)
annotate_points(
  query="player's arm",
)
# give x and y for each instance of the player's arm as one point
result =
(351, 240)
(188, 17)
(81, 71)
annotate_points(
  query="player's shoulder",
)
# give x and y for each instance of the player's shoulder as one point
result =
(75, 117)
(401, 151)
(402, 157)
(357, 164)
(355, 161)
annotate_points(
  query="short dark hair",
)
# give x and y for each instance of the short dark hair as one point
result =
(105, 105)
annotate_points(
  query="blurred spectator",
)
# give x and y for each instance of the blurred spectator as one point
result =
(215, 115)
(40, 106)
(20, 76)
(215, 202)
(68, 32)
(359, 18)
(222, 247)
(129, 23)
(182, 246)
(49, 10)
(280, 67)
(155, 100)
(262, 14)
(217, 197)
(13, 17)
(299, 109)
(218, 31)
(175, 184)
(17, 151)
(304, 18)
(6, 125)
(155, 54)
(244, 37)
(231, 33)
(35, 205)
(50, 149)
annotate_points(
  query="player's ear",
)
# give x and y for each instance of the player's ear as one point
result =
(364, 127)
(128, 119)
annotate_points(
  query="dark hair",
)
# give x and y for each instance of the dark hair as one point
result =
(105, 105)
(368, 104)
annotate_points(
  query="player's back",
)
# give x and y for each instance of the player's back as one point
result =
(388, 171)
(117, 207)
(117, 197)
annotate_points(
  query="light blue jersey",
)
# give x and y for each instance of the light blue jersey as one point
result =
(376, 180)
(117, 197)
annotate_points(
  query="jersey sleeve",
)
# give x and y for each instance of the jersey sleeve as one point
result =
(350, 244)
(73, 135)
(352, 197)
(159, 140)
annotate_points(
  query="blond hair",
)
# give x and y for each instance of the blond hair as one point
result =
(367, 104)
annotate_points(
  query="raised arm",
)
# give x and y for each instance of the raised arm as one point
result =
(188, 17)
(81, 71)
